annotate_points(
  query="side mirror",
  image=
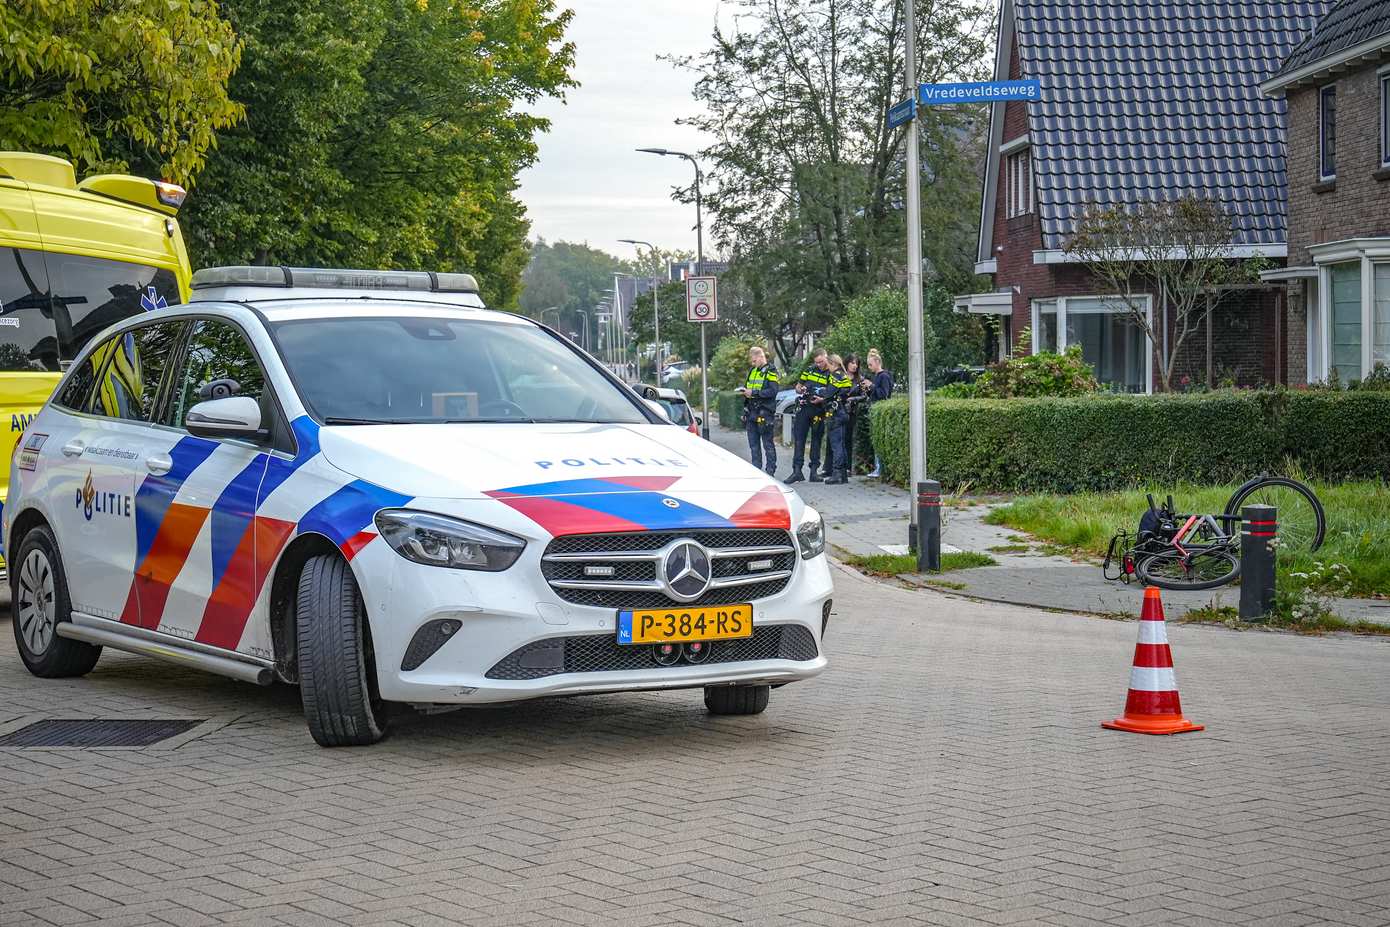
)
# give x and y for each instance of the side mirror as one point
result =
(233, 417)
(699, 421)
(649, 392)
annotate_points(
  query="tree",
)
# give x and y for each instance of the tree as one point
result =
(383, 133)
(572, 278)
(807, 176)
(879, 320)
(1173, 250)
(117, 85)
(682, 335)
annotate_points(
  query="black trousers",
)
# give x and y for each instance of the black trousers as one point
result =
(762, 448)
(808, 421)
(838, 451)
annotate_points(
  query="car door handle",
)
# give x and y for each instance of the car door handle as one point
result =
(159, 463)
(74, 448)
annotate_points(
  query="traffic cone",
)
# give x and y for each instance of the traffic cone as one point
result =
(1152, 706)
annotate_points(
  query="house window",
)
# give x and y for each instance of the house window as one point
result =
(1020, 188)
(1380, 313)
(1345, 357)
(1385, 120)
(1110, 341)
(1327, 132)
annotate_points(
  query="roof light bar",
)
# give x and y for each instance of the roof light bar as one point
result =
(334, 279)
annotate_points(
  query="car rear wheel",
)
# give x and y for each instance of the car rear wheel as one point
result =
(39, 593)
(337, 668)
(736, 700)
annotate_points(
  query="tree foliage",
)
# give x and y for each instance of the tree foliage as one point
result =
(569, 277)
(117, 85)
(808, 177)
(1174, 251)
(879, 320)
(382, 133)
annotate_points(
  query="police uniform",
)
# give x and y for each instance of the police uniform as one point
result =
(760, 416)
(837, 453)
(810, 420)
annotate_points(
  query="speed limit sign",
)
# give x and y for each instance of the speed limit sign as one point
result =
(701, 299)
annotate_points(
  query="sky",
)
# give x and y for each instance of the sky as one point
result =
(589, 184)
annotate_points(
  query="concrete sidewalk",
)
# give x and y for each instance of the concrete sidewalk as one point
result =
(868, 517)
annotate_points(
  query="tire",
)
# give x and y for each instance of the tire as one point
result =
(1302, 521)
(736, 700)
(337, 671)
(1206, 569)
(39, 593)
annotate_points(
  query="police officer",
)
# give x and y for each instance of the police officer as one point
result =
(759, 394)
(812, 389)
(837, 410)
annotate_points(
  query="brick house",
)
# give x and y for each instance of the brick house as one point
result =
(1336, 84)
(1140, 101)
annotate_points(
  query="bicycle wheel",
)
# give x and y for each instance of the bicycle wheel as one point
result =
(1203, 568)
(1302, 522)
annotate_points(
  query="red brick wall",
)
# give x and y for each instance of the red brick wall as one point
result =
(1357, 205)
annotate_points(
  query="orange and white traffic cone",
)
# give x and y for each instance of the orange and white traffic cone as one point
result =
(1152, 706)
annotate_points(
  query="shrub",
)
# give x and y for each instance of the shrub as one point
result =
(728, 368)
(1043, 374)
(730, 409)
(1108, 442)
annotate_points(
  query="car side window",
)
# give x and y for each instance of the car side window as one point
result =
(132, 367)
(219, 363)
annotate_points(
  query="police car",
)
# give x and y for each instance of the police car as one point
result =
(366, 484)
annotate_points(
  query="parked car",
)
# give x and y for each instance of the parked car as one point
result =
(674, 406)
(366, 484)
(75, 257)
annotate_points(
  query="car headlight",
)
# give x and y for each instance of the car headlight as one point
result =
(437, 540)
(810, 535)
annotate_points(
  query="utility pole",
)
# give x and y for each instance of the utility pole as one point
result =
(916, 354)
(656, 309)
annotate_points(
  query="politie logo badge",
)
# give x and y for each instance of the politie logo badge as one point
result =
(92, 502)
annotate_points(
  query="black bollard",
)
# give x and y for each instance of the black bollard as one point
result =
(928, 526)
(1258, 530)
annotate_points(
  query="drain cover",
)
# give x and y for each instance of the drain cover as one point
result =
(96, 732)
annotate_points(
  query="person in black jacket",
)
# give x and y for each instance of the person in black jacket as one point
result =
(759, 394)
(882, 388)
(837, 449)
(812, 390)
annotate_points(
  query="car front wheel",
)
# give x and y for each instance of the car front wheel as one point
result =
(39, 593)
(337, 669)
(736, 700)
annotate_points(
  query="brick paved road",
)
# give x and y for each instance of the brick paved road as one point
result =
(948, 769)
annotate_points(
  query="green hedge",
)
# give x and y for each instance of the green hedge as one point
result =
(730, 407)
(1115, 442)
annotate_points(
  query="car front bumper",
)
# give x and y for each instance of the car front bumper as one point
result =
(498, 614)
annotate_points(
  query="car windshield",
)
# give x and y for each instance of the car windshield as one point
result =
(368, 371)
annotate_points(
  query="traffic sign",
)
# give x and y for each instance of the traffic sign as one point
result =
(901, 113)
(702, 299)
(998, 91)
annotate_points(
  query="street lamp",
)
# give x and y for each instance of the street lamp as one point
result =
(554, 309)
(699, 264)
(656, 314)
(586, 340)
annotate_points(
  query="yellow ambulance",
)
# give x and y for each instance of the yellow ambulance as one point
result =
(74, 257)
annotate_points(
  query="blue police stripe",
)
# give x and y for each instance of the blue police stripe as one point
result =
(640, 506)
(157, 491)
(349, 510)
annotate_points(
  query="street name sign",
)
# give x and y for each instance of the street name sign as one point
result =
(999, 91)
(901, 113)
(702, 299)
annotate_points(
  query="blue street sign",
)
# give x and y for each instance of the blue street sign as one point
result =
(998, 91)
(901, 113)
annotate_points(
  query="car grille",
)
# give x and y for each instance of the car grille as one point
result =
(601, 653)
(633, 557)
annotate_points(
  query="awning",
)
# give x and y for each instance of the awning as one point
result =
(986, 303)
(1288, 274)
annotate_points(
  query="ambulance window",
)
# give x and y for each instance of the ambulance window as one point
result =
(92, 293)
(136, 363)
(219, 364)
(27, 337)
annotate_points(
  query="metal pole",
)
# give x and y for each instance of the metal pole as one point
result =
(916, 355)
(656, 326)
(699, 269)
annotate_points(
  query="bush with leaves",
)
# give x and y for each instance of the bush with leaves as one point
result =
(728, 368)
(1043, 374)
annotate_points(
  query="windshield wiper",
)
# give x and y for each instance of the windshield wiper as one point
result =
(335, 420)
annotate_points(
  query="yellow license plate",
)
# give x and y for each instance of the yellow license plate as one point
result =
(677, 625)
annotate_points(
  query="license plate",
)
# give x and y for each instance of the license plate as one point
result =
(676, 625)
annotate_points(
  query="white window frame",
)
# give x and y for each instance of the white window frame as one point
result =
(1322, 132)
(1036, 306)
(1370, 252)
(1383, 79)
(1018, 182)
